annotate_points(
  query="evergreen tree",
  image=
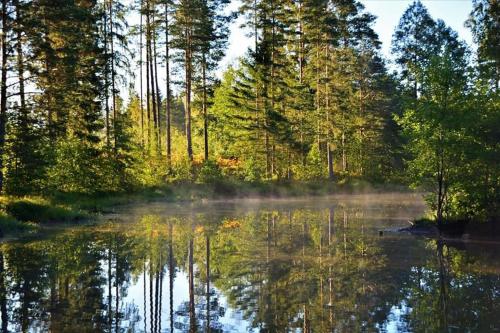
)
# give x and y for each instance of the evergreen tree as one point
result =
(484, 21)
(413, 43)
(212, 34)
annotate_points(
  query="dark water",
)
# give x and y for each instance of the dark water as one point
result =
(317, 265)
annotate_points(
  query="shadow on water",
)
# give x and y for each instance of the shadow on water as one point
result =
(249, 267)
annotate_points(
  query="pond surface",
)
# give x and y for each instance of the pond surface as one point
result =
(312, 265)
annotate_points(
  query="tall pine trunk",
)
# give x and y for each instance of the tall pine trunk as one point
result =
(106, 77)
(3, 90)
(148, 92)
(329, 156)
(208, 282)
(141, 74)
(188, 65)
(204, 105)
(113, 79)
(151, 71)
(168, 97)
(192, 313)
(157, 89)
(20, 68)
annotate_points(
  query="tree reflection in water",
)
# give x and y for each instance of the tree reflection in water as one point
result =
(263, 270)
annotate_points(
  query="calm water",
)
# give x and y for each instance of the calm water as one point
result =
(315, 265)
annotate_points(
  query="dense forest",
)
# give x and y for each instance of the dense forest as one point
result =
(104, 96)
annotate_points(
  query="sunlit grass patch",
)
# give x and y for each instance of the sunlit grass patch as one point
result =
(9, 225)
(39, 210)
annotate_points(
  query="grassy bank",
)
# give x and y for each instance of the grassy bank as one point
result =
(27, 214)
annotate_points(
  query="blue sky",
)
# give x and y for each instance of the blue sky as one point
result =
(388, 12)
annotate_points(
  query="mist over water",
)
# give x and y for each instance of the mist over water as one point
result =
(259, 265)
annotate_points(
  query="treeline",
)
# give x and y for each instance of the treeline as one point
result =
(108, 95)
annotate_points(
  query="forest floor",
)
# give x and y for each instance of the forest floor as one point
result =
(26, 214)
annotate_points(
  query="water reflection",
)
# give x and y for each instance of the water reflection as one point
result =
(223, 268)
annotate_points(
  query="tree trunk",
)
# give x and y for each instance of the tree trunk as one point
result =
(144, 296)
(208, 282)
(3, 90)
(440, 197)
(20, 68)
(3, 295)
(117, 298)
(157, 290)
(301, 79)
(329, 156)
(442, 285)
(157, 88)
(106, 77)
(140, 75)
(188, 64)
(192, 313)
(171, 276)
(110, 317)
(113, 83)
(151, 72)
(148, 92)
(168, 97)
(151, 292)
(204, 106)
(318, 96)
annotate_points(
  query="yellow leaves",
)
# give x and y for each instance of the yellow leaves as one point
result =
(231, 224)
(229, 163)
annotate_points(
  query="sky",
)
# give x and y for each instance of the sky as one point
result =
(388, 12)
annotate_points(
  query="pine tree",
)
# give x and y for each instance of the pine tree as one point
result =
(212, 34)
(484, 22)
(3, 86)
(186, 18)
(413, 43)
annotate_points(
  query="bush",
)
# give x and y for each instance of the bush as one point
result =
(315, 168)
(253, 171)
(182, 170)
(81, 168)
(209, 173)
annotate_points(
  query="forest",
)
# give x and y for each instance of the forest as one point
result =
(111, 96)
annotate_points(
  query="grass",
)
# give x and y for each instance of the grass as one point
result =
(22, 214)
(9, 225)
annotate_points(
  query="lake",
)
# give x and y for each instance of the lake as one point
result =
(302, 265)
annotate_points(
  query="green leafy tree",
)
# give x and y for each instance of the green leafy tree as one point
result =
(433, 124)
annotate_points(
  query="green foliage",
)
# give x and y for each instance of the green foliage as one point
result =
(78, 167)
(314, 168)
(253, 170)
(444, 141)
(41, 211)
(209, 173)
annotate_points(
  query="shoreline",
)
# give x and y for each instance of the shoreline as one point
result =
(20, 215)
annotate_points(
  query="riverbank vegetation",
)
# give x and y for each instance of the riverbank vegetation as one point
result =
(105, 96)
